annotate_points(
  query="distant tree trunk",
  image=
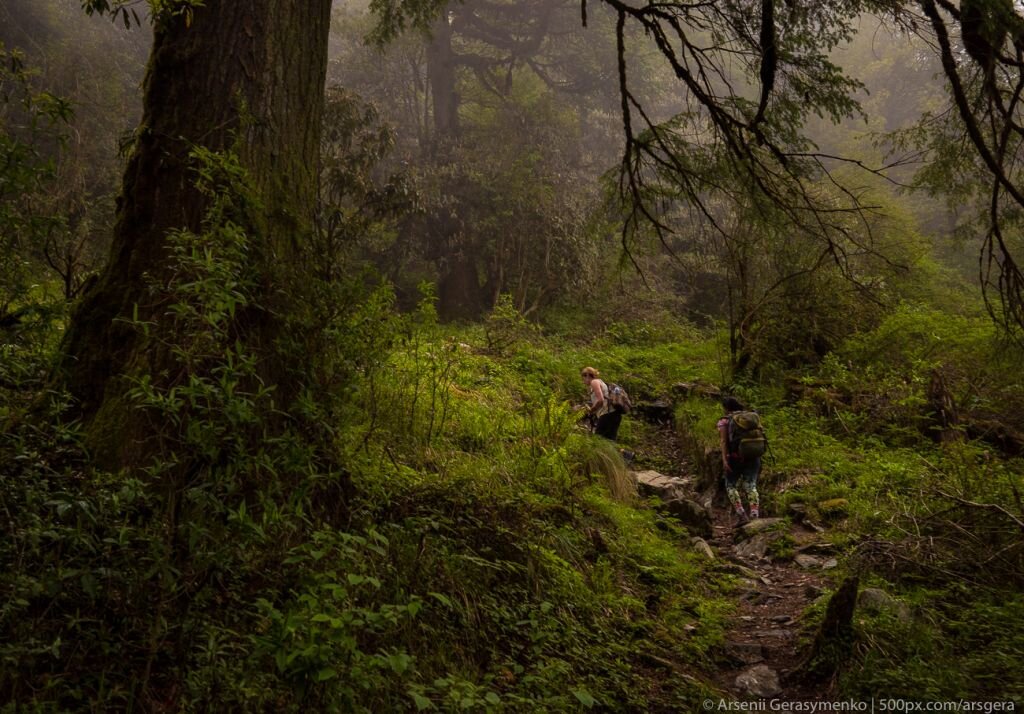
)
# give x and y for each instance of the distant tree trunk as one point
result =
(459, 293)
(244, 76)
(441, 75)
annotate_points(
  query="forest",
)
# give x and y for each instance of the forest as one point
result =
(511, 355)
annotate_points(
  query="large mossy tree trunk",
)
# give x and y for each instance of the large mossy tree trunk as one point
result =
(241, 76)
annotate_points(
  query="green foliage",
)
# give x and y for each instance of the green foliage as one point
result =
(33, 124)
(959, 644)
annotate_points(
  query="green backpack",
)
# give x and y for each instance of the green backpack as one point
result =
(746, 435)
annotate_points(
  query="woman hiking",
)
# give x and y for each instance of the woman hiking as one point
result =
(607, 419)
(742, 441)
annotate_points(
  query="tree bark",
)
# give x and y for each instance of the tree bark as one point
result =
(242, 76)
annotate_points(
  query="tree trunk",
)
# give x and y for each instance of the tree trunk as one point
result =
(242, 76)
(441, 75)
(833, 644)
(460, 295)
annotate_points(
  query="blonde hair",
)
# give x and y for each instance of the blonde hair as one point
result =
(589, 372)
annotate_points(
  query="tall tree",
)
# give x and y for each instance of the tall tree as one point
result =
(247, 77)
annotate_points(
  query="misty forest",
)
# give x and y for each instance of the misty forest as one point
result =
(511, 355)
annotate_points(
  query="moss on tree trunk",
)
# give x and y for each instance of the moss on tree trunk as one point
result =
(246, 77)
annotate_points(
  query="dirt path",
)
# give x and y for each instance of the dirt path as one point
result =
(764, 643)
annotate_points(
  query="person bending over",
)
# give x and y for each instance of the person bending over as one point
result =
(741, 438)
(606, 420)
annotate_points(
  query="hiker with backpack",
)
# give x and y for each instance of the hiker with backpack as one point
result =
(743, 443)
(607, 404)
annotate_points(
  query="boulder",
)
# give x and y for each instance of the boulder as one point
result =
(659, 411)
(877, 600)
(652, 483)
(833, 508)
(691, 514)
(701, 546)
(696, 389)
(759, 681)
(757, 547)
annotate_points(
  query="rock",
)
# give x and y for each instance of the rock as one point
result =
(775, 633)
(659, 411)
(741, 570)
(652, 483)
(754, 548)
(822, 548)
(829, 564)
(812, 591)
(758, 525)
(808, 561)
(701, 546)
(765, 598)
(691, 514)
(696, 389)
(745, 653)
(877, 600)
(755, 544)
(797, 511)
(782, 619)
(833, 507)
(759, 681)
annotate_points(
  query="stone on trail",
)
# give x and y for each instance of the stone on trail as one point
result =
(756, 547)
(652, 483)
(701, 546)
(808, 561)
(818, 548)
(758, 525)
(692, 515)
(741, 570)
(759, 681)
(745, 653)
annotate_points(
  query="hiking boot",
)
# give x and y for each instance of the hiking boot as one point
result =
(741, 519)
(628, 457)
(754, 515)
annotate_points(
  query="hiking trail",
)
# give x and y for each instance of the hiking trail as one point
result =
(781, 569)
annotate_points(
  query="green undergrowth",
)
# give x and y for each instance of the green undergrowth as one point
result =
(439, 533)
(855, 449)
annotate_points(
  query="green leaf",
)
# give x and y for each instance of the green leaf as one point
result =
(421, 702)
(326, 673)
(399, 662)
(441, 598)
(584, 697)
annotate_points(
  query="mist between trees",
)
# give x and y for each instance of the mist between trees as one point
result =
(265, 266)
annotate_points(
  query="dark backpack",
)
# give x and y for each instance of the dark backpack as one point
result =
(618, 399)
(746, 435)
